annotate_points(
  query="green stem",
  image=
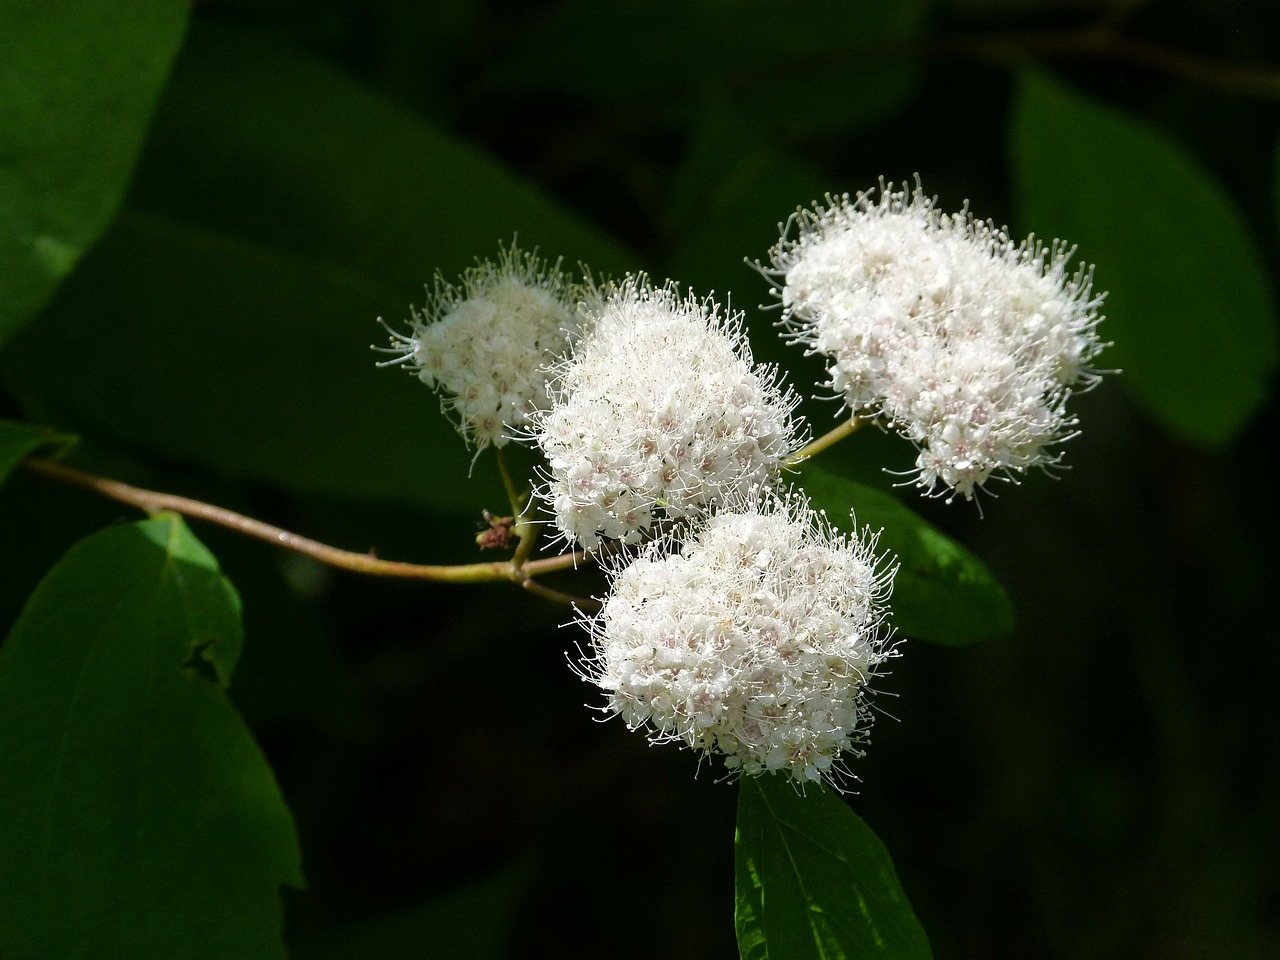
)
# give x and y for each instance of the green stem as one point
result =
(526, 530)
(828, 439)
(513, 498)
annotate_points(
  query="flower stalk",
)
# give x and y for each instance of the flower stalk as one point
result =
(155, 502)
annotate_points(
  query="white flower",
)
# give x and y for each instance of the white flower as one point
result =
(756, 640)
(963, 340)
(486, 345)
(659, 412)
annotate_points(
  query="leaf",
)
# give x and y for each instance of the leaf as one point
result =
(266, 144)
(16, 441)
(140, 818)
(1275, 186)
(240, 306)
(1189, 307)
(942, 592)
(814, 881)
(77, 85)
(742, 199)
(265, 374)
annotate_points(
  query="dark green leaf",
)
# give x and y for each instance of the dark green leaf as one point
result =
(239, 310)
(736, 198)
(77, 85)
(1275, 186)
(16, 441)
(1189, 307)
(252, 361)
(942, 592)
(263, 143)
(813, 881)
(140, 818)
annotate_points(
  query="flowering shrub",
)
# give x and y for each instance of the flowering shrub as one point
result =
(708, 510)
(746, 626)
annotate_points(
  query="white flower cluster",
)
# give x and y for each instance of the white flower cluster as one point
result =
(486, 345)
(963, 340)
(659, 411)
(755, 640)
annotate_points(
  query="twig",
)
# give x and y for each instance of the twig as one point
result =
(155, 502)
(582, 603)
(1105, 44)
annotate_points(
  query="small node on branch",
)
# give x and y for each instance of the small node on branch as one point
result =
(499, 532)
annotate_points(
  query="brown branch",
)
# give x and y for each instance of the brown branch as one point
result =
(1104, 44)
(155, 502)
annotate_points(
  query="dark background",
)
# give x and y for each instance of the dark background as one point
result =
(1103, 782)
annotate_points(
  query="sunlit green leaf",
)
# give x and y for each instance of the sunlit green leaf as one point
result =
(942, 592)
(77, 85)
(1189, 307)
(140, 818)
(813, 881)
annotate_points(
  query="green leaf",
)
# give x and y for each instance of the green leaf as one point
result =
(813, 881)
(942, 592)
(240, 306)
(16, 441)
(266, 374)
(140, 818)
(77, 85)
(266, 144)
(1275, 186)
(1189, 308)
(742, 194)
(736, 198)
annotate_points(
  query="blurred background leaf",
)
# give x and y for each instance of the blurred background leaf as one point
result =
(471, 922)
(77, 86)
(252, 271)
(1188, 304)
(16, 441)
